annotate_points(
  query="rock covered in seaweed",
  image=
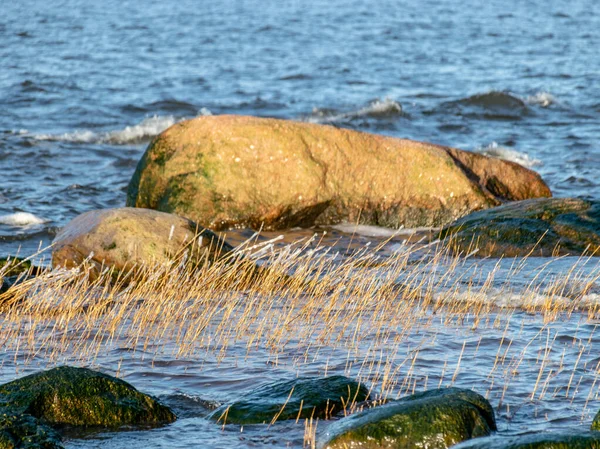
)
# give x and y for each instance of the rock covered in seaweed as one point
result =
(227, 171)
(128, 237)
(436, 419)
(26, 432)
(81, 397)
(546, 440)
(542, 227)
(299, 398)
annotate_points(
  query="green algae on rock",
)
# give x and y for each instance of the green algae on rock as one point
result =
(579, 440)
(26, 432)
(436, 419)
(228, 171)
(541, 227)
(298, 398)
(14, 270)
(128, 237)
(81, 397)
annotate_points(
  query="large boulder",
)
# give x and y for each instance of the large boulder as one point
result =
(579, 440)
(81, 397)
(228, 171)
(128, 237)
(435, 419)
(298, 398)
(542, 227)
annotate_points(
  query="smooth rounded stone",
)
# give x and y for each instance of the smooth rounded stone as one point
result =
(240, 171)
(579, 440)
(26, 432)
(81, 397)
(125, 238)
(310, 397)
(542, 227)
(435, 419)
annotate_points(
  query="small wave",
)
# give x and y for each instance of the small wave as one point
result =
(509, 154)
(21, 219)
(143, 131)
(377, 109)
(543, 99)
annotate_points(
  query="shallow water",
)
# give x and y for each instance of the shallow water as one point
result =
(84, 85)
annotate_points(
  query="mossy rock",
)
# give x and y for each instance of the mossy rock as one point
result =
(81, 397)
(580, 440)
(26, 432)
(128, 238)
(540, 227)
(436, 419)
(310, 397)
(235, 171)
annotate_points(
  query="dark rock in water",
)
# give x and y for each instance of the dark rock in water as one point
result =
(26, 432)
(435, 419)
(14, 270)
(596, 422)
(542, 227)
(310, 397)
(580, 440)
(81, 397)
(126, 238)
(236, 171)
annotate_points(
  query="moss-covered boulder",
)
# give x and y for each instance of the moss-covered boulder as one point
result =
(542, 227)
(596, 422)
(81, 397)
(579, 440)
(435, 419)
(304, 398)
(228, 171)
(26, 432)
(128, 237)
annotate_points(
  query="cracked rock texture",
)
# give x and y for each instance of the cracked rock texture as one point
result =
(239, 171)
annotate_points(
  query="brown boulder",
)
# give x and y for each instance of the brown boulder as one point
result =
(128, 237)
(228, 171)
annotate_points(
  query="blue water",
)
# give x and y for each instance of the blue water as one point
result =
(84, 85)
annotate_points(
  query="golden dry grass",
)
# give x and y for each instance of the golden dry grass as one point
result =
(306, 300)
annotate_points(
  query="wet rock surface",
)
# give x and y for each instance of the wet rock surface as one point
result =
(81, 397)
(298, 398)
(26, 432)
(435, 419)
(540, 227)
(230, 171)
(580, 440)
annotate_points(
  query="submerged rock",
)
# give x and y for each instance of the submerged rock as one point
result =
(580, 440)
(128, 237)
(299, 398)
(435, 419)
(81, 397)
(26, 432)
(542, 227)
(228, 171)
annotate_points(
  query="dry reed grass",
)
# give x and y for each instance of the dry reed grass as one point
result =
(306, 300)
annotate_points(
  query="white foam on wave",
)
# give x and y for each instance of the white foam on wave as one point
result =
(21, 219)
(145, 130)
(543, 99)
(380, 231)
(377, 108)
(509, 154)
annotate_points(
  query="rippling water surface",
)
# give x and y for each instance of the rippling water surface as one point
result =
(84, 85)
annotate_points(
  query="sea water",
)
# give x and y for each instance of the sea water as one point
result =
(85, 85)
